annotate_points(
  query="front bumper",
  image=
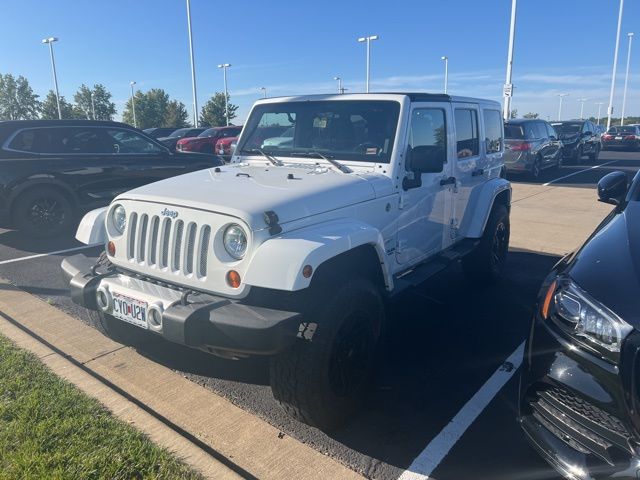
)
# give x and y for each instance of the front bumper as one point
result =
(194, 319)
(573, 409)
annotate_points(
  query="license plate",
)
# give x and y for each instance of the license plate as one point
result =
(130, 310)
(618, 138)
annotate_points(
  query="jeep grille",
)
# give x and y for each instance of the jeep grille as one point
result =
(167, 243)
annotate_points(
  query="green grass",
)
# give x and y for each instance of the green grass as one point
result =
(50, 429)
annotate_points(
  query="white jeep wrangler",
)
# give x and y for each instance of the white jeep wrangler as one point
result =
(292, 249)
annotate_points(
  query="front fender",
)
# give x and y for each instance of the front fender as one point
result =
(475, 218)
(279, 261)
(92, 230)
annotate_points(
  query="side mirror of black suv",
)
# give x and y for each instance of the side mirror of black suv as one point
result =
(612, 188)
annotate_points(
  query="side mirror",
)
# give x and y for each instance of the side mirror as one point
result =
(612, 188)
(427, 159)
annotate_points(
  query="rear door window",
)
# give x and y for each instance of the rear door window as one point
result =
(467, 139)
(493, 130)
(551, 131)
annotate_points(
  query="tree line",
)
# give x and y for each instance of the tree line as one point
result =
(153, 108)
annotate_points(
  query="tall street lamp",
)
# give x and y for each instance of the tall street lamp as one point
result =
(508, 86)
(50, 41)
(339, 80)
(224, 67)
(446, 73)
(264, 91)
(368, 41)
(599, 104)
(582, 100)
(626, 79)
(133, 105)
(615, 64)
(93, 105)
(561, 95)
(193, 67)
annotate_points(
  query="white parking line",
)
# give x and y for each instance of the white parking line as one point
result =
(13, 260)
(428, 460)
(576, 173)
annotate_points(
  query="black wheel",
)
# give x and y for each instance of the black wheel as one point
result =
(536, 169)
(322, 382)
(486, 262)
(43, 212)
(593, 156)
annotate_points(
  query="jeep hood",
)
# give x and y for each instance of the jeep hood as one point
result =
(247, 192)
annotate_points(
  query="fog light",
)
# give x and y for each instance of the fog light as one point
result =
(103, 298)
(233, 279)
(154, 315)
(111, 249)
(307, 271)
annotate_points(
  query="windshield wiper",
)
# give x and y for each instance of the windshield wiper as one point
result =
(332, 161)
(271, 158)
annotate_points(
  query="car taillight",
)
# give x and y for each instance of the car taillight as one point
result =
(630, 137)
(607, 137)
(521, 147)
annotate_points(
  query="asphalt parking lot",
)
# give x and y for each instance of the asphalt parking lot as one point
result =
(447, 339)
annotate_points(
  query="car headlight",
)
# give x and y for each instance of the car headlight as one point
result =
(584, 317)
(119, 218)
(235, 241)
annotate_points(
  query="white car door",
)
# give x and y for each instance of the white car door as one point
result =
(426, 199)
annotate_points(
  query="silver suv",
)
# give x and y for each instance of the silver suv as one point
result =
(531, 146)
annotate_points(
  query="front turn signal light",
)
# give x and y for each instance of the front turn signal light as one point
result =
(233, 279)
(547, 300)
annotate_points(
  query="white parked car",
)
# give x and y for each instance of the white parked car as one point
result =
(291, 250)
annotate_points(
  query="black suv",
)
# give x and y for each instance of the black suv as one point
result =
(580, 383)
(51, 170)
(579, 138)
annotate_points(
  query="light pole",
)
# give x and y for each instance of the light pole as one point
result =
(615, 64)
(193, 67)
(561, 95)
(339, 80)
(599, 104)
(50, 41)
(446, 73)
(264, 91)
(133, 105)
(93, 105)
(582, 100)
(224, 67)
(368, 41)
(626, 79)
(508, 86)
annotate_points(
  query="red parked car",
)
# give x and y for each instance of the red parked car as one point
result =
(206, 141)
(225, 147)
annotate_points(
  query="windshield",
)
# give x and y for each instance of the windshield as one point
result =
(209, 132)
(179, 133)
(629, 129)
(567, 128)
(360, 130)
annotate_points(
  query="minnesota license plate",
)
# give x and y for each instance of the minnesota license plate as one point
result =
(130, 310)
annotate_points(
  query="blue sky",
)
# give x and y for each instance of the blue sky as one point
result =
(295, 47)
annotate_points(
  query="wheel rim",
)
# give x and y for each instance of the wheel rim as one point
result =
(499, 247)
(46, 213)
(351, 355)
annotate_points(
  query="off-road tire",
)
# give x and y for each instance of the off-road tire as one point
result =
(43, 212)
(307, 380)
(486, 262)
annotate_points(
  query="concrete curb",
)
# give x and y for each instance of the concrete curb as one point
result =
(209, 433)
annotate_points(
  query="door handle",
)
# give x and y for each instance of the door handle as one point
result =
(447, 181)
(478, 172)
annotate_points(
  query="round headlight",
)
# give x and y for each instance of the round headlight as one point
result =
(235, 241)
(119, 218)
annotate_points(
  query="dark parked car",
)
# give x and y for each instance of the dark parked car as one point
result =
(580, 383)
(579, 138)
(207, 140)
(159, 132)
(50, 170)
(530, 146)
(170, 141)
(625, 137)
